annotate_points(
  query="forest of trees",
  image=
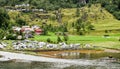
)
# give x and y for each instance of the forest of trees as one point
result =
(45, 4)
(113, 6)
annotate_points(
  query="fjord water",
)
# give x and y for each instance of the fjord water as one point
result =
(75, 61)
(48, 65)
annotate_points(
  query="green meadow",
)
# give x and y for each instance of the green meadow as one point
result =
(111, 41)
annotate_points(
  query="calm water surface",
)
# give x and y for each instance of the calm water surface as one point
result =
(95, 61)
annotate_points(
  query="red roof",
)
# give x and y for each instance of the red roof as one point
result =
(38, 30)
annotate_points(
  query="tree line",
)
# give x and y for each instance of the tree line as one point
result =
(113, 6)
(45, 4)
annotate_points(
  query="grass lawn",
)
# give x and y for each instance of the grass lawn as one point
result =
(111, 41)
(78, 39)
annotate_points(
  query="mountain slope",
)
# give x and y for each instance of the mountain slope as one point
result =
(96, 15)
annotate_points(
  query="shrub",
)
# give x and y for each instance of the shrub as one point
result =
(48, 40)
(81, 33)
(66, 38)
(2, 33)
(11, 37)
(59, 39)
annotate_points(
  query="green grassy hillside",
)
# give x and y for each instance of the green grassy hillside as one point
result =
(99, 17)
(96, 15)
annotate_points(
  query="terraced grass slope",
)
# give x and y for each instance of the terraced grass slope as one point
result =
(98, 16)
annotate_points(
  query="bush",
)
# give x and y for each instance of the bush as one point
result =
(106, 35)
(81, 33)
(89, 5)
(2, 34)
(48, 40)
(66, 38)
(53, 17)
(59, 39)
(11, 37)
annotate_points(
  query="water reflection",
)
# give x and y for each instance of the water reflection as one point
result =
(78, 55)
(47, 65)
(24, 65)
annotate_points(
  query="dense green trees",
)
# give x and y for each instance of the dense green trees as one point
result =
(4, 22)
(45, 4)
(2, 2)
(113, 6)
(83, 27)
(4, 19)
(20, 22)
